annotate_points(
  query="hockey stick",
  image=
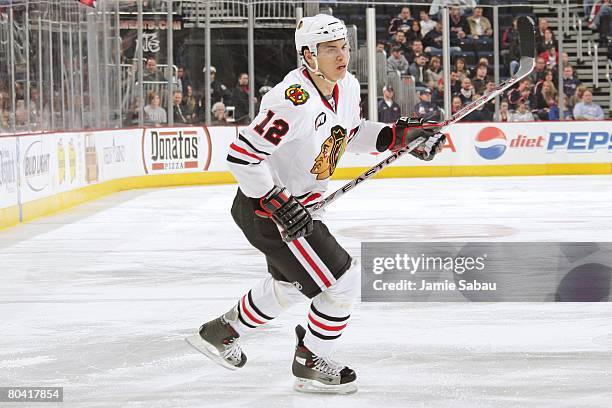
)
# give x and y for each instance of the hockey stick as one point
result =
(526, 29)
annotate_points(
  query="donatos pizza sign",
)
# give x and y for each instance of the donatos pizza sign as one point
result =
(175, 150)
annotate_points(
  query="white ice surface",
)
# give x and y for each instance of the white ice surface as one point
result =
(98, 299)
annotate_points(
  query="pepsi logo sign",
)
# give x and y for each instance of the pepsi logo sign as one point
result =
(491, 143)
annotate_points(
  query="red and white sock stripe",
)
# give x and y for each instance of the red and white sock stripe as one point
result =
(309, 259)
(250, 315)
(324, 326)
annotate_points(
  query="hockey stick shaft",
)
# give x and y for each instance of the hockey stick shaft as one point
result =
(526, 30)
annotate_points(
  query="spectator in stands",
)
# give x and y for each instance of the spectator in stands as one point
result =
(547, 92)
(218, 111)
(483, 61)
(551, 57)
(418, 70)
(397, 62)
(456, 104)
(510, 47)
(489, 106)
(455, 82)
(467, 91)
(399, 40)
(539, 70)
(566, 61)
(181, 79)
(464, 6)
(548, 76)
(577, 97)
(522, 113)
(542, 26)
(433, 42)
(189, 105)
(151, 72)
(402, 22)
(479, 114)
(388, 110)
(381, 47)
(416, 48)
(427, 24)
(504, 112)
(177, 111)
(437, 96)
(155, 115)
(462, 69)
(459, 27)
(548, 41)
(480, 26)
(480, 78)
(553, 113)
(587, 109)
(414, 33)
(600, 18)
(570, 82)
(426, 108)
(433, 39)
(240, 99)
(133, 111)
(218, 91)
(520, 94)
(434, 71)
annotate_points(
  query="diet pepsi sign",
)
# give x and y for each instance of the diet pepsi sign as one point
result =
(491, 143)
(579, 142)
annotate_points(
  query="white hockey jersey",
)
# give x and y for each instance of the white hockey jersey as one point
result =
(298, 138)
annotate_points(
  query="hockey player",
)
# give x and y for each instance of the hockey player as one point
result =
(283, 162)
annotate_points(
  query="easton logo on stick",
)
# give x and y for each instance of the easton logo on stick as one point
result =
(296, 94)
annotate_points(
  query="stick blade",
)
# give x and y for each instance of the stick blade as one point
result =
(526, 29)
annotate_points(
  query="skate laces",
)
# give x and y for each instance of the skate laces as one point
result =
(327, 366)
(232, 351)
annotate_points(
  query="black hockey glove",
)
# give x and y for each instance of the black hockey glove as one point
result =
(286, 211)
(405, 131)
(432, 146)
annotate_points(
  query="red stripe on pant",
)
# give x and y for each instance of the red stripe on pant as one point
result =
(311, 262)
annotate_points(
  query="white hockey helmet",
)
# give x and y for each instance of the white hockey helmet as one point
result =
(321, 28)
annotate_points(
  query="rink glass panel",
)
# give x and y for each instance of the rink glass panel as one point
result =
(80, 67)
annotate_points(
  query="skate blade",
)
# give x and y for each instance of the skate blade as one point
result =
(315, 387)
(197, 342)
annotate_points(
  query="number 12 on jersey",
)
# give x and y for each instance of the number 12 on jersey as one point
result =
(275, 133)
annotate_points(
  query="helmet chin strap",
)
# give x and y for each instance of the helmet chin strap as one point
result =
(316, 70)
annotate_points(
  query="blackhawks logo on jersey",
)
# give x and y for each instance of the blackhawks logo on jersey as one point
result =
(296, 94)
(331, 151)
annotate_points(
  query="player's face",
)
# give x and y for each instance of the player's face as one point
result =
(333, 58)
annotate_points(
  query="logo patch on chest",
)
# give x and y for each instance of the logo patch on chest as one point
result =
(320, 120)
(331, 150)
(296, 94)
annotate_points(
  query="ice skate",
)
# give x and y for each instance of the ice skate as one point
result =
(218, 340)
(319, 375)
